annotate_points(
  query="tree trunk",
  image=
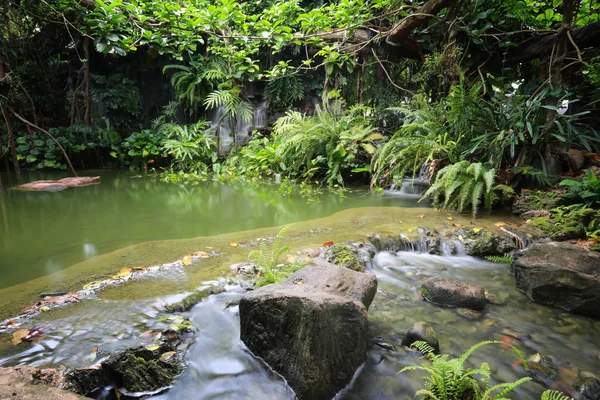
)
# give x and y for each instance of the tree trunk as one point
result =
(86, 66)
(11, 143)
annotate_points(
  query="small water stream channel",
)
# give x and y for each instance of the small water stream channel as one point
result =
(219, 367)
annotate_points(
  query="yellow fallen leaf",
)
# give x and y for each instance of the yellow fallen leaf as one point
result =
(187, 260)
(450, 218)
(409, 230)
(19, 335)
(167, 355)
(139, 268)
(499, 224)
(233, 244)
(476, 230)
(153, 347)
(421, 216)
(125, 270)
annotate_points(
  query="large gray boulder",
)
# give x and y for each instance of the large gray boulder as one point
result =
(311, 328)
(451, 293)
(560, 275)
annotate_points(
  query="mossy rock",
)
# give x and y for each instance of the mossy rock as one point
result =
(566, 222)
(143, 370)
(345, 256)
(536, 200)
(190, 301)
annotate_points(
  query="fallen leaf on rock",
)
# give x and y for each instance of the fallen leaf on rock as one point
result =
(94, 354)
(201, 254)
(233, 244)
(139, 268)
(476, 230)
(19, 335)
(499, 224)
(125, 271)
(421, 216)
(167, 356)
(328, 244)
(187, 260)
(153, 347)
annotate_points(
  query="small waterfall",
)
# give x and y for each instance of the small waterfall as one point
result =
(451, 247)
(411, 188)
(243, 128)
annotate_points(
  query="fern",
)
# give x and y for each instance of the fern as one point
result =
(284, 91)
(506, 258)
(449, 379)
(268, 260)
(554, 395)
(465, 184)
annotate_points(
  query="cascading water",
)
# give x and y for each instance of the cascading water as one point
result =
(225, 125)
(412, 188)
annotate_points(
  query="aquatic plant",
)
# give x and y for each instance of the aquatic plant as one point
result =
(450, 379)
(466, 184)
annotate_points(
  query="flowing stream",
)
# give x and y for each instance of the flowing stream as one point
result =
(118, 218)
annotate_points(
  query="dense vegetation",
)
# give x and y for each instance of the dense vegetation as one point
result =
(479, 96)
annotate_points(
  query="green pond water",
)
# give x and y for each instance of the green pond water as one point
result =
(42, 234)
(59, 240)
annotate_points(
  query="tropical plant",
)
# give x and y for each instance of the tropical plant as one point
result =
(451, 379)
(423, 137)
(190, 145)
(257, 158)
(267, 260)
(329, 144)
(139, 149)
(505, 258)
(284, 91)
(119, 97)
(554, 395)
(465, 184)
(585, 191)
(229, 97)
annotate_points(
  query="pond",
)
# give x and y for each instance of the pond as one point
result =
(132, 221)
(42, 234)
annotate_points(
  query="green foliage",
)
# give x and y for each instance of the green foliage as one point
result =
(284, 91)
(554, 395)
(505, 259)
(467, 184)
(38, 151)
(139, 149)
(268, 260)
(421, 139)
(121, 98)
(585, 191)
(328, 145)
(191, 146)
(450, 379)
(257, 159)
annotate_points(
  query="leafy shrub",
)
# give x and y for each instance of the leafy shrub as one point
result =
(120, 97)
(330, 144)
(139, 149)
(466, 184)
(585, 191)
(191, 146)
(452, 380)
(284, 91)
(257, 158)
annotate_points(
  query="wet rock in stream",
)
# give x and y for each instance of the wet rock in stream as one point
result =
(560, 275)
(190, 301)
(589, 388)
(312, 328)
(452, 293)
(422, 331)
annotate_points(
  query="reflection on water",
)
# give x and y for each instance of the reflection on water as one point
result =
(220, 368)
(44, 232)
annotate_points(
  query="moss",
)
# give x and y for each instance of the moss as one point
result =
(193, 299)
(567, 222)
(343, 256)
(536, 200)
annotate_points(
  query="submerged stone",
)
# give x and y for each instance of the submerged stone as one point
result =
(422, 331)
(468, 313)
(312, 328)
(28, 383)
(560, 275)
(452, 293)
(190, 301)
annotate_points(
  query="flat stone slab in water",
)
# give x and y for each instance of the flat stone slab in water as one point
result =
(61, 184)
